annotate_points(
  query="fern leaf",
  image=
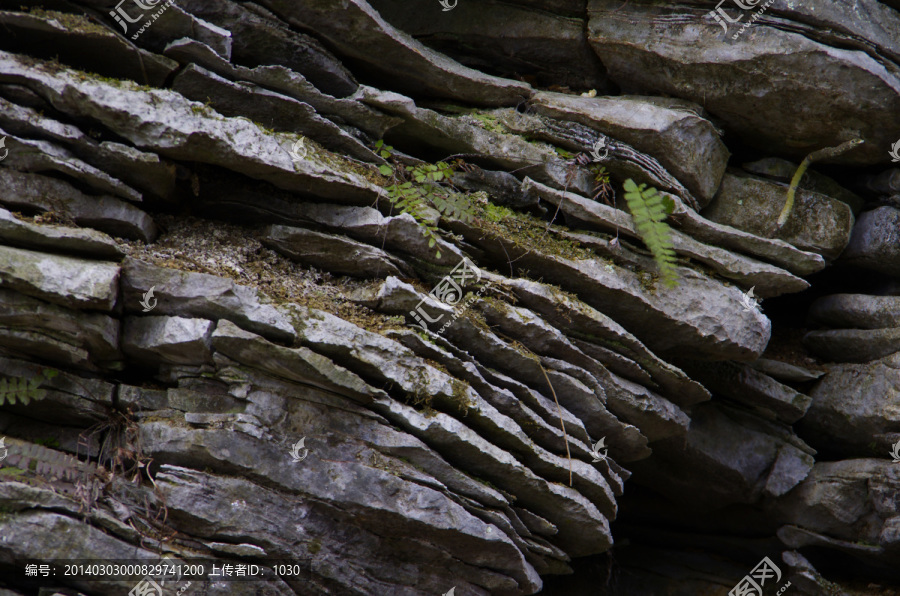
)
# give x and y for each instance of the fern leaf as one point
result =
(649, 212)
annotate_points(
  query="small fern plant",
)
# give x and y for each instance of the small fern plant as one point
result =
(418, 187)
(649, 209)
(24, 390)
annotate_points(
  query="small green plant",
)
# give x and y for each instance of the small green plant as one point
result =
(422, 186)
(48, 442)
(24, 390)
(648, 209)
(603, 190)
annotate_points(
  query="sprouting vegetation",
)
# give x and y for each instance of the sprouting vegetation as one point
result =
(24, 390)
(417, 188)
(649, 210)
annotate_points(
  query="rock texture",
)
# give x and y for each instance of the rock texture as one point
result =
(355, 287)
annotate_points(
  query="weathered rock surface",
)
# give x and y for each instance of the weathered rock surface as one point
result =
(687, 145)
(858, 311)
(875, 241)
(769, 281)
(32, 192)
(169, 124)
(56, 238)
(333, 253)
(817, 223)
(364, 36)
(736, 458)
(67, 281)
(783, 170)
(699, 63)
(853, 345)
(179, 293)
(57, 333)
(175, 340)
(752, 388)
(418, 385)
(855, 408)
(848, 505)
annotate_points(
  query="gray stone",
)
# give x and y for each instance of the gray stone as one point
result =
(701, 313)
(286, 81)
(333, 253)
(363, 35)
(52, 238)
(875, 243)
(783, 170)
(855, 408)
(726, 457)
(685, 143)
(385, 361)
(29, 192)
(817, 222)
(87, 44)
(459, 135)
(778, 252)
(551, 47)
(67, 281)
(768, 280)
(177, 340)
(398, 233)
(857, 311)
(187, 130)
(298, 364)
(184, 294)
(271, 109)
(760, 106)
(174, 23)
(751, 387)
(783, 371)
(27, 155)
(847, 504)
(259, 37)
(581, 321)
(853, 345)
(71, 399)
(544, 430)
(587, 403)
(55, 333)
(887, 182)
(142, 171)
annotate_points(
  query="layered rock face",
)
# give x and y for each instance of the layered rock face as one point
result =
(352, 292)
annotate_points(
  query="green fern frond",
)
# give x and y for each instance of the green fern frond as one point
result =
(424, 187)
(24, 390)
(649, 212)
